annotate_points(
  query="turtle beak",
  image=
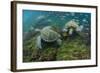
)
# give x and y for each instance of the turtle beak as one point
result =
(70, 31)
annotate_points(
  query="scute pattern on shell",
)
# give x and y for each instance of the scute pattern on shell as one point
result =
(72, 24)
(49, 35)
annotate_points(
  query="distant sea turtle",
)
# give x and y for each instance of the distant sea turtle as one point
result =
(71, 27)
(48, 35)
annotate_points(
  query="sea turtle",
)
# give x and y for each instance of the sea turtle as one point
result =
(71, 27)
(48, 35)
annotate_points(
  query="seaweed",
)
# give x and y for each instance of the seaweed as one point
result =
(71, 49)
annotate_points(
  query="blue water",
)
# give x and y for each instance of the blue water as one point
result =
(38, 19)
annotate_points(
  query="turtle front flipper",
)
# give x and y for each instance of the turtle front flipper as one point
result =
(80, 28)
(38, 43)
(59, 42)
